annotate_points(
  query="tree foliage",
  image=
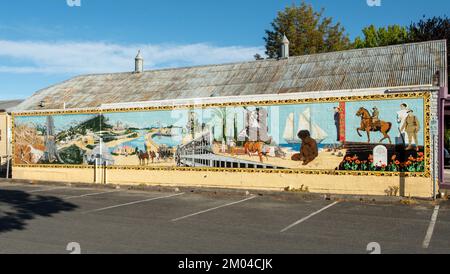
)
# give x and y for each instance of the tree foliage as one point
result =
(384, 36)
(309, 32)
(435, 28)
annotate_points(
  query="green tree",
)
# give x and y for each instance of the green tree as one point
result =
(435, 28)
(383, 36)
(309, 32)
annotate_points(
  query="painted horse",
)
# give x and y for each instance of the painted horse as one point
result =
(153, 156)
(143, 156)
(368, 125)
(255, 147)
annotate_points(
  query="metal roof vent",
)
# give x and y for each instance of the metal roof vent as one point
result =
(139, 63)
(285, 47)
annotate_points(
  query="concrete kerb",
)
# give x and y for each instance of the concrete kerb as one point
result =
(227, 192)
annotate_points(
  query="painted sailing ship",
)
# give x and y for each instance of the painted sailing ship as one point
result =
(304, 123)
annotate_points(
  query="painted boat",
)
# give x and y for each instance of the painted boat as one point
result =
(304, 123)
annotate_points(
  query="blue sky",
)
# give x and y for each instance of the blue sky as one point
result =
(44, 42)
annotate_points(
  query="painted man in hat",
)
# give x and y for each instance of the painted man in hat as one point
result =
(412, 128)
(337, 122)
(375, 118)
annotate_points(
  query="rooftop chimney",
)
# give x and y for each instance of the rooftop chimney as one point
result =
(139, 63)
(285, 48)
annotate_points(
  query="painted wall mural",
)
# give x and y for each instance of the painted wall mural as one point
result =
(334, 134)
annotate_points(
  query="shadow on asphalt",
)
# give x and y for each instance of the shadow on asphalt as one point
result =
(18, 207)
(3, 171)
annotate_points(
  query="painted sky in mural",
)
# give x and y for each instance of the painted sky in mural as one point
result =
(318, 136)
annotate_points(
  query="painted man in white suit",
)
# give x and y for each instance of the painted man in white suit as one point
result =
(401, 119)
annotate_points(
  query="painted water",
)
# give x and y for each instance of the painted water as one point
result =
(296, 147)
(169, 141)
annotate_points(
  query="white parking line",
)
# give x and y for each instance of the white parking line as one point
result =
(46, 189)
(31, 186)
(8, 185)
(66, 198)
(90, 194)
(211, 209)
(427, 241)
(132, 203)
(308, 217)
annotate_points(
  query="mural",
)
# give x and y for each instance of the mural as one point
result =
(337, 135)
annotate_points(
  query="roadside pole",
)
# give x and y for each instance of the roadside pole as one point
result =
(433, 153)
(95, 170)
(7, 167)
(104, 173)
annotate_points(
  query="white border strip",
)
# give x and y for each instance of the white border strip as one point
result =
(274, 97)
(244, 98)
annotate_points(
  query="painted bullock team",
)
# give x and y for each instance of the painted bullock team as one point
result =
(163, 154)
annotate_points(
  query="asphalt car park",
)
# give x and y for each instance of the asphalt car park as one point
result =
(46, 218)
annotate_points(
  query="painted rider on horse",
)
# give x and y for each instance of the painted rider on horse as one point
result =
(376, 123)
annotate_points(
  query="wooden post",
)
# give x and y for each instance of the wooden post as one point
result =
(7, 167)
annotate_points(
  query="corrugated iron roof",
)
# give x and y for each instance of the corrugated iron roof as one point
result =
(392, 66)
(8, 105)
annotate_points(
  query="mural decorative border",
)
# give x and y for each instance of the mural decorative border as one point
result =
(410, 95)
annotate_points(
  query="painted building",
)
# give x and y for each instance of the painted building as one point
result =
(4, 125)
(356, 122)
(5, 129)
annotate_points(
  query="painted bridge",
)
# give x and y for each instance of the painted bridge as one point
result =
(199, 153)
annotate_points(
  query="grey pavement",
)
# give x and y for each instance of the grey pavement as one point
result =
(45, 218)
